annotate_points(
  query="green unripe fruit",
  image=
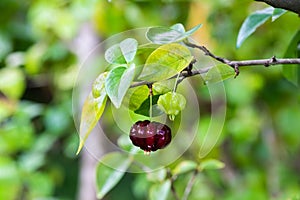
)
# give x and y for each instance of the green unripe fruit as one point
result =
(171, 103)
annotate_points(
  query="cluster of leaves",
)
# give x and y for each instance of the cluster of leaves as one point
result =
(164, 63)
(167, 58)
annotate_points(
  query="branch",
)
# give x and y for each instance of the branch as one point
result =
(236, 64)
(291, 5)
(232, 63)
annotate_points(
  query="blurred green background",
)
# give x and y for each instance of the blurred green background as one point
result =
(260, 143)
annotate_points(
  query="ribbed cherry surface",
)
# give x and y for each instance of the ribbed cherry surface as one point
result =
(150, 136)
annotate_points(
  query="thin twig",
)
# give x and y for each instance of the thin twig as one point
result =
(189, 186)
(173, 189)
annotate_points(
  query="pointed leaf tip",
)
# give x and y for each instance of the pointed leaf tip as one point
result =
(92, 109)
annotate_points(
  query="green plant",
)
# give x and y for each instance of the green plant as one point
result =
(171, 59)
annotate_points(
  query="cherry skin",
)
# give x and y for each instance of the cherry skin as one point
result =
(150, 136)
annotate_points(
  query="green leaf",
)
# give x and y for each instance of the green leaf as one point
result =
(162, 35)
(211, 164)
(114, 55)
(129, 48)
(125, 143)
(110, 171)
(12, 82)
(278, 12)
(219, 73)
(160, 190)
(157, 175)
(136, 96)
(171, 103)
(292, 72)
(191, 31)
(162, 87)
(118, 82)
(178, 27)
(184, 166)
(145, 106)
(165, 62)
(92, 109)
(252, 22)
(165, 35)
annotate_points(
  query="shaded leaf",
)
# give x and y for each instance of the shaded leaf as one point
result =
(184, 166)
(92, 109)
(292, 72)
(110, 171)
(125, 143)
(219, 73)
(252, 22)
(113, 55)
(165, 62)
(128, 49)
(157, 175)
(191, 31)
(160, 190)
(118, 82)
(178, 27)
(162, 87)
(145, 107)
(278, 12)
(163, 35)
(211, 164)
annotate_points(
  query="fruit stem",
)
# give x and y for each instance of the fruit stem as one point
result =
(150, 95)
(176, 83)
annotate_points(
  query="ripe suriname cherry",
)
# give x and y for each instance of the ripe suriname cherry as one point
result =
(150, 136)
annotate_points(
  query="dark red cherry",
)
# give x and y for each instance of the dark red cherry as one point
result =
(150, 136)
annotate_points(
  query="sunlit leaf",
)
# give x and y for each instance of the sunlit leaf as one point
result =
(165, 35)
(118, 82)
(128, 49)
(160, 190)
(252, 22)
(211, 164)
(219, 73)
(136, 96)
(292, 72)
(92, 109)
(165, 62)
(114, 55)
(184, 166)
(110, 171)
